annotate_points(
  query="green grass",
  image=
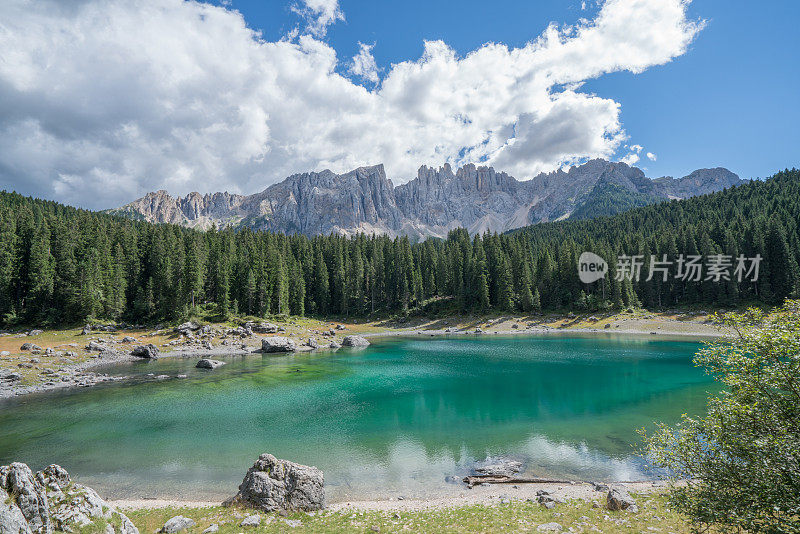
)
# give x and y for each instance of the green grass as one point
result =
(518, 516)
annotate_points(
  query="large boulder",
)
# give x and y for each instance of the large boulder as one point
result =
(619, 499)
(23, 490)
(263, 328)
(75, 505)
(355, 341)
(149, 352)
(277, 344)
(12, 521)
(273, 484)
(177, 524)
(187, 327)
(49, 501)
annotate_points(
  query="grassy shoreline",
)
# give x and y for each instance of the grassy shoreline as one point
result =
(503, 515)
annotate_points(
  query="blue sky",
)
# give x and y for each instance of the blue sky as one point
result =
(732, 100)
(102, 101)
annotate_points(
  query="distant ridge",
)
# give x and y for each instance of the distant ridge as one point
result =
(433, 203)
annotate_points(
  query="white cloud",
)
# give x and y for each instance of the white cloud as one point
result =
(319, 14)
(363, 64)
(651, 156)
(103, 100)
(631, 158)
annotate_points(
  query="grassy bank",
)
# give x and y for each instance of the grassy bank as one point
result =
(514, 516)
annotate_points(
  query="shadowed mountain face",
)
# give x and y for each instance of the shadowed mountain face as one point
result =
(436, 201)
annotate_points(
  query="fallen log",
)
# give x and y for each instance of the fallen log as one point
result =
(473, 480)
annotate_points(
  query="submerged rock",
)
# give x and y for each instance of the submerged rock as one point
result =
(206, 363)
(49, 501)
(277, 344)
(355, 341)
(273, 484)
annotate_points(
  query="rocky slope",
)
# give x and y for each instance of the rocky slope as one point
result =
(436, 201)
(49, 501)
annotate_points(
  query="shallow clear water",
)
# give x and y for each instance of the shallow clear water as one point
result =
(393, 419)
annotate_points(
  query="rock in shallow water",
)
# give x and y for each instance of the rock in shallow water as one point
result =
(273, 484)
(277, 344)
(149, 352)
(355, 341)
(205, 363)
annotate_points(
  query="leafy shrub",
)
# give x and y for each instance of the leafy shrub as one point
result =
(738, 467)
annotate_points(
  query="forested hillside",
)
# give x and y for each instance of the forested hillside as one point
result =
(608, 198)
(63, 265)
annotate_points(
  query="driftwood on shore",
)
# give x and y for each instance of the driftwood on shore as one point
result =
(474, 480)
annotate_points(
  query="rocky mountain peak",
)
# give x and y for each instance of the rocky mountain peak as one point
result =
(437, 200)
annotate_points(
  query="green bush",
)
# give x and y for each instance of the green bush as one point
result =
(738, 468)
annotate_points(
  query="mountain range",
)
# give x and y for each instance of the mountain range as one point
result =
(433, 203)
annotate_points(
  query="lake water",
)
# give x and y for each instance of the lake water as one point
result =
(393, 419)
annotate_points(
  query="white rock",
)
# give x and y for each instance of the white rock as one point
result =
(251, 521)
(277, 344)
(177, 524)
(550, 527)
(355, 341)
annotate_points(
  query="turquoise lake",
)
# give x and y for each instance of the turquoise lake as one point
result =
(393, 419)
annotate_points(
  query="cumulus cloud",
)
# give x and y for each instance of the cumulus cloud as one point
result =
(651, 156)
(363, 64)
(319, 14)
(631, 158)
(103, 100)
